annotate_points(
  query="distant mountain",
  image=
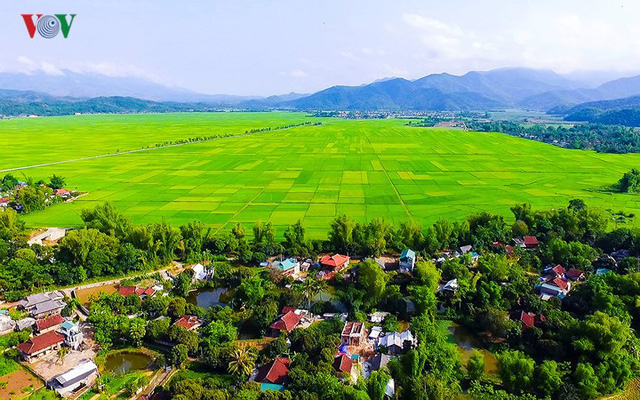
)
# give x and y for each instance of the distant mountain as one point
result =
(619, 88)
(16, 103)
(476, 90)
(472, 91)
(71, 84)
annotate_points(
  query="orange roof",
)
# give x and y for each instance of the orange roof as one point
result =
(287, 322)
(189, 322)
(334, 261)
(42, 342)
(127, 291)
(275, 372)
(343, 363)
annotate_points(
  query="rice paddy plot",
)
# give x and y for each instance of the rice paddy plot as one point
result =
(367, 169)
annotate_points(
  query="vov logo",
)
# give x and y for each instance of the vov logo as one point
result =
(48, 26)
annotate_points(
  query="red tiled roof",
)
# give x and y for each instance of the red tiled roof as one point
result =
(559, 270)
(188, 321)
(4, 199)
(274, 372)
(574, 273)
(62, 191)
(559, 282)
(528, 319)
(286, 309)
(530, 241)
(287, 322)
(39, 343)
(46, 323)
(127, 291)
(343, 363)
(334, 261)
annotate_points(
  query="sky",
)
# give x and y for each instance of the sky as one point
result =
(250, 47)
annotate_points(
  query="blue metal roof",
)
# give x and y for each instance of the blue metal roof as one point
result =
(271, 386)
(287, 264)
(408, 253)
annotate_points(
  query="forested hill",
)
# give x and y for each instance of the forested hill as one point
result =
(16, 103)
(624, 111)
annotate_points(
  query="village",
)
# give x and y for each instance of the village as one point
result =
(62, 352)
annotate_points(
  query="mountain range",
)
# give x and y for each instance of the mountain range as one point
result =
(477, 90)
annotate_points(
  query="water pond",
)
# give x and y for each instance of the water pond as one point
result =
(208, 297)
(124, 362)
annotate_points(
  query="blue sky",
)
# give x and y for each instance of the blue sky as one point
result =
(272, 46)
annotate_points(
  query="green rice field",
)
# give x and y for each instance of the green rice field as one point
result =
(364, 168)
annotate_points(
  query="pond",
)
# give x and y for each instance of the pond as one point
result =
(208, 297)
(125, 362)
(467, 342)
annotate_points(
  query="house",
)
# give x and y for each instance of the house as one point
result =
(275, 372)
(336, 262)
(189, 322)
(353, 333)
(575, 274)
(620, 254)
(4, 202)
(47, 308)
(375, 334)
(407, 260)
(397, 343)
(143, 293)
(50, 236)
(33, 300)
(554, 287)
(378, 362)
(290, 266)
(465, 249)
(343, 364)
(75, 378)
(201, 273)
(72, 333)
(378, 317)
(555, 272)
(47, 324)
(40, 345)
(529, 319)
(286, 322)
(64, 193)
(530, 242)
(6, 324)
(451, 286)
(25, 323)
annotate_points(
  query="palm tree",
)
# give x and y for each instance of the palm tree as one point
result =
(311, 287)
(62, 353)
(243, 363)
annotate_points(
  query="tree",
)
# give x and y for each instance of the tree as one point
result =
(428, 274)
(179, 355)
(516, 371)
(373, 280)
(107, 220)
(548, 379)
(377, 385)
(311, 287)
(177, 308)
(242, 364)
(62, 353)
(56, 182)
(630, 182)
(586, 380)
(137, 331)
(475, 365)
(341, 233)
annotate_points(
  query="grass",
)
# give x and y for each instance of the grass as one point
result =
(197, 370)
(367, 169)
